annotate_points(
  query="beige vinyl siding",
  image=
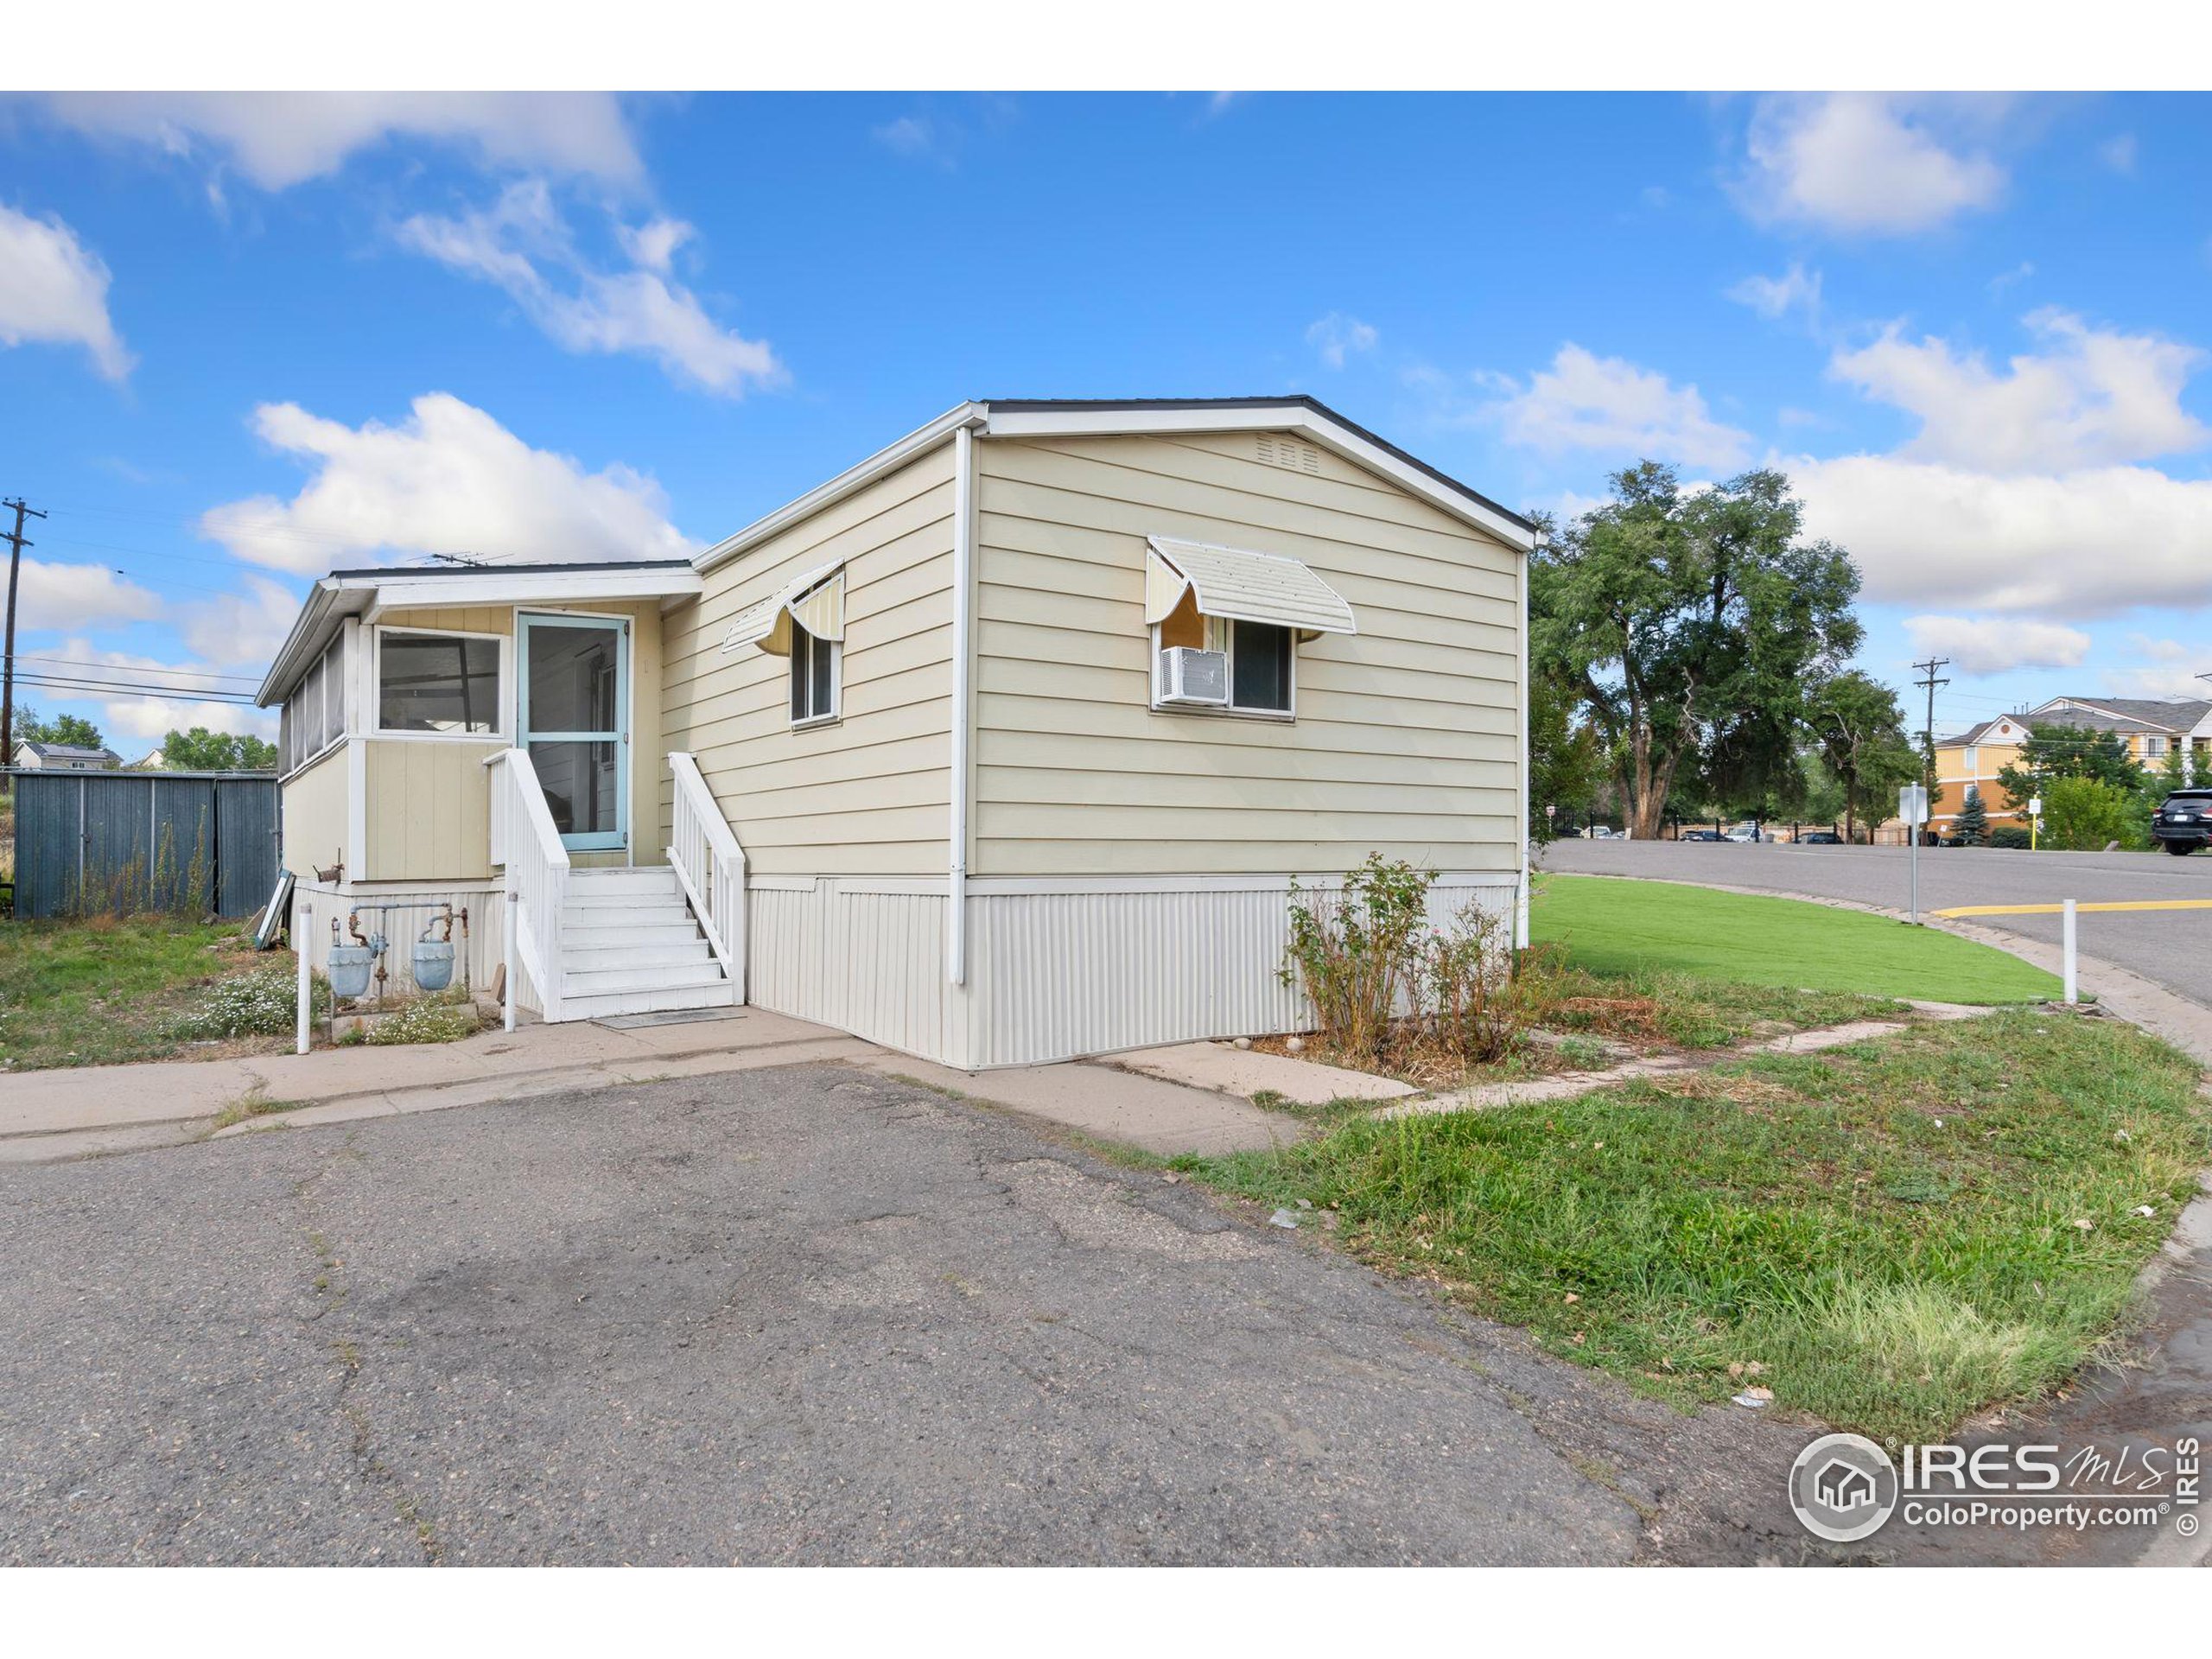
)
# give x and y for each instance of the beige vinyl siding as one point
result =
(313, 808)
(429, 798)
(1407, 735)
(429, 811)
(870, 794)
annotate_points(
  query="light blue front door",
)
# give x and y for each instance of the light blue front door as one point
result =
(574, 713)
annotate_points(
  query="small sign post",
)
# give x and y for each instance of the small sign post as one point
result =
(1912, 807)
(2035, 822)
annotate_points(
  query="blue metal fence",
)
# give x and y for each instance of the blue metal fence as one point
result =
(112, 842)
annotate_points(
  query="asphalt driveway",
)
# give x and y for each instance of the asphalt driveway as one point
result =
(801, 1315)
(2167, 946)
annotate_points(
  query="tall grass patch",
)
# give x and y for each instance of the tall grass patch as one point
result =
(1886, 1235)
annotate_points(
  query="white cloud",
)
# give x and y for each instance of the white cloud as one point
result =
(281, 139)
(53, 290)
(1992, 645)
(1337, 336)
(523, 246)
(2171, 670)
(2075, 544)
(2093, 397)
(653, 245)
(1796, 289)
(447, 479)
(1606, 404)
(1864, 163)
(80, 596)
(239, 628)
(912, 135)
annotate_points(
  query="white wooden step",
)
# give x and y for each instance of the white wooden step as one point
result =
(652, 878)
(629, 953)
(658, 929)
(576, 916)
(599, 1005)
(638, 979)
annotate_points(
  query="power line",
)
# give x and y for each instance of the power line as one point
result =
(142, 668)
(79, 688)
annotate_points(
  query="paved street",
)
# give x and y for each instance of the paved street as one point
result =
(2168, 946)
(808, 1314)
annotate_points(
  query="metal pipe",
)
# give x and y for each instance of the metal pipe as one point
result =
(307, 979)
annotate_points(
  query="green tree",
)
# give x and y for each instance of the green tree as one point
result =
(201, 750)
(1860, 728)
(1563, 759)
(2080, 815)
(1971, 827)
(1691, 624)
(2051, 751)
(71, 731)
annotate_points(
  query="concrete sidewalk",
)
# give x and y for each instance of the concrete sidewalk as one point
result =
(73, 1112)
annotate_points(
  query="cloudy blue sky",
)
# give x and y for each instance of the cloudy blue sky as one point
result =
(245, 340)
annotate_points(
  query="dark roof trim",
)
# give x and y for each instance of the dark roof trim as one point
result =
(410, 572)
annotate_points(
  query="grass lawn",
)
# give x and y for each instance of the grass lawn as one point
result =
(107, 990)
(1885, 1234)
(1611, 926)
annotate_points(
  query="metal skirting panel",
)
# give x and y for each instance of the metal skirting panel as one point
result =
(859, 955)
(1060, 974)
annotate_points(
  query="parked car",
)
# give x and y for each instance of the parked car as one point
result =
(1599, 832)
(2183, 820)
(1700, 834)
(1742, 833)
(1820, 838)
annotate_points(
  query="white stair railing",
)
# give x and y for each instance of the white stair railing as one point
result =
(526, 843)
(703, 851)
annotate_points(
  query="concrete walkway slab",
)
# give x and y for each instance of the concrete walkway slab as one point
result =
(1229, 1070)
(1107, 1103)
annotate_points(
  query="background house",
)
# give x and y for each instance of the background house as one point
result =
(1008, 744)
(2153, 726)
(1967, 764)
(62, 757)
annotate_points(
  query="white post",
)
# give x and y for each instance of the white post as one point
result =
(514, 961)
(2073, 985)
(303, 942)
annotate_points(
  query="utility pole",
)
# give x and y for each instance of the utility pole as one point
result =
(1927, 683)
(16, 544)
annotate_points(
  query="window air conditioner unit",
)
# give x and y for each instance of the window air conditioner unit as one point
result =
(1194, 676)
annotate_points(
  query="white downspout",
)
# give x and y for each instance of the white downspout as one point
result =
(1520, 897)
(963, 607)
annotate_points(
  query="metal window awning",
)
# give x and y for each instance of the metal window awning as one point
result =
(1242, 586)
(816, 602)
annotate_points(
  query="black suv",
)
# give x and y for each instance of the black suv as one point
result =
(2183, 821)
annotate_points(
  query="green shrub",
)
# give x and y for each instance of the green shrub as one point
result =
(2010, 835)
(2080, 815)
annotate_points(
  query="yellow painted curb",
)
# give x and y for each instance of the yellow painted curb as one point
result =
(2055, 909)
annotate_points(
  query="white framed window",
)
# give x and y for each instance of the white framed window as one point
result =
(2154, 748)
(434, 683)
(1262, 677)
(1262, 666)
(1973, 758)
(816, 677)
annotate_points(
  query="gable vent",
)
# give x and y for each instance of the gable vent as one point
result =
(1283, 452)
